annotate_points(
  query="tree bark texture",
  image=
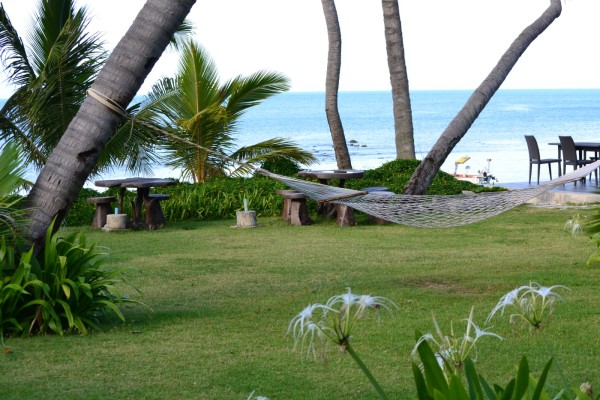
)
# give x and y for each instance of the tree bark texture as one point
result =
(332, 81)
(76, 154)
(403, 122)
(459, 126)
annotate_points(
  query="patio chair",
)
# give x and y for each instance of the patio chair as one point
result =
(570, 157)
(534, 158)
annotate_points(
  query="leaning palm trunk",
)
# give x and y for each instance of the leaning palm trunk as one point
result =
(75, 156)
(459, 126)
(403, 123)
(332, 81)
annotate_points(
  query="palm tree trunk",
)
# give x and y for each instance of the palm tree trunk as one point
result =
(459, 126)
(332, 81)
(403, 122)
(73, 159)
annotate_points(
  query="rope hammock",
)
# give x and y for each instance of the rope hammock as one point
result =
(428, 211)
(424, 211)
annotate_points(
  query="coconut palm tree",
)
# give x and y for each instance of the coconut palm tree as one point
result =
(196, 107)
(52, 75)
(459, 126)
(79, 149)
(332, 83)
(403, 123)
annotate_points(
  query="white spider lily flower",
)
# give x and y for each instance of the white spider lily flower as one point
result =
(347, 300)
(452, 350)
(509, 299)
(365, 302)
(305, 318)
(335, 321)
(531, 303)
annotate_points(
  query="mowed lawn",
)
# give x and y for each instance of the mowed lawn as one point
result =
(218, 301)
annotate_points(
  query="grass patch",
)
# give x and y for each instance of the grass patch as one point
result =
(221, 300)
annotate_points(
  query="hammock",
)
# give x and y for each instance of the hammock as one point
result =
(427, 211)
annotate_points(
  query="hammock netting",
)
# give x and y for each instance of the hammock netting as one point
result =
(427, 211)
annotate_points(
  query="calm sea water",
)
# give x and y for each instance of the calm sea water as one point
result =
(367, 117)
(496, 135)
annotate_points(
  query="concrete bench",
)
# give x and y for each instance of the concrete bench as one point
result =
(154, 213)
(295, 209)
(103, 208)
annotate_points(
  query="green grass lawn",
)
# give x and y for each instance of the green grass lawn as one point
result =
(219, 300)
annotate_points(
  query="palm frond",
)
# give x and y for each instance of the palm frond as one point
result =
(12, 52)
(270, 150)
(249, 91)
(182, 35)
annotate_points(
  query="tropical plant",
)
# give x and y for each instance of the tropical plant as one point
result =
(332, 83)
(12, 170)
(453, 350)
(461, 123)
(77, 153)
(394, 44)
(51, 75)
(65, 289)
(199, 116)
(433, 382)
(334, 322)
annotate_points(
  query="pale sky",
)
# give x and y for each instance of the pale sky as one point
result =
(449, 44)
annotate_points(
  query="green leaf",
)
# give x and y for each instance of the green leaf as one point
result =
(522, 379)
(433, 372)
(475, 390)
(422, 393)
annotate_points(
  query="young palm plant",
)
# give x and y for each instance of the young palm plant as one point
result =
(52, 71)
(51, 75)
(196, 107)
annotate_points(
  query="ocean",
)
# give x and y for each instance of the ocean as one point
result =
(497, 135)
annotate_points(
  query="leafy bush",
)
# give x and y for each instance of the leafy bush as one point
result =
(64, 289)
(220, 198)
(396, 174)
(433, 383)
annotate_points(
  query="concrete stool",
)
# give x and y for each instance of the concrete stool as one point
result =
(103, 208)
(298, 214)
(287, 203)
(154, 213)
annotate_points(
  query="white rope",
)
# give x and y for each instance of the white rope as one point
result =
(426, 211)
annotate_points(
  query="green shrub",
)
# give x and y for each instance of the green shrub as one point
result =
(281, 166)
(220, 198)
(396, 174)
(64, 289)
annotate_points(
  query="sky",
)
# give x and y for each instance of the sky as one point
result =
(449, 44)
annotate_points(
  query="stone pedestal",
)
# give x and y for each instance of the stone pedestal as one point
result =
(246, 219)
(115, 222)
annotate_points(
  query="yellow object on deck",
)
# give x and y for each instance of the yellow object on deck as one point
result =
(462, 160)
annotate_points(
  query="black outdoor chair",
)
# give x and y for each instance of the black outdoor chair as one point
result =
(534, 158)
(570, 157)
